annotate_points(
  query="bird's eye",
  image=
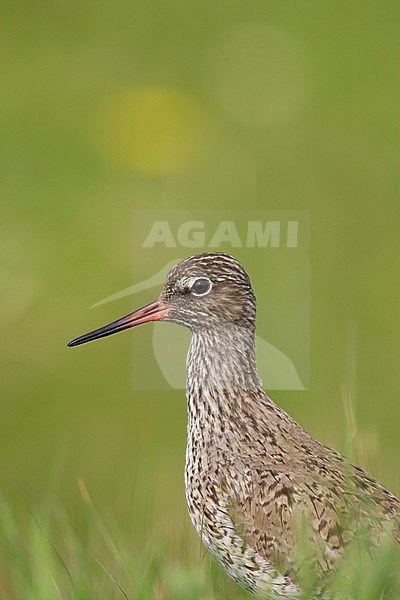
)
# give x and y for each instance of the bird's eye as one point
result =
(201, 286)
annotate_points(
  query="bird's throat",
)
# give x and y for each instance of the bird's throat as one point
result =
(222, 361)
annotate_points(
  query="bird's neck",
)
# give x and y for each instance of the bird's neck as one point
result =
(222, 360)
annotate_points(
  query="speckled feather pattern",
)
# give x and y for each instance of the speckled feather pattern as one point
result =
(252, 472)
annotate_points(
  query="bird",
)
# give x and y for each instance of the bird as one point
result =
(253, 475)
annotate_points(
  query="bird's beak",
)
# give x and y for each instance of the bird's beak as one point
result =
(155, 311)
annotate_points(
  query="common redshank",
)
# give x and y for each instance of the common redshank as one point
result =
(251, 470)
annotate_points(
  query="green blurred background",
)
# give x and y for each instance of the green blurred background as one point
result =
(110, 107)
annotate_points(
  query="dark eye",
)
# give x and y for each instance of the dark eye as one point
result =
(201, 286)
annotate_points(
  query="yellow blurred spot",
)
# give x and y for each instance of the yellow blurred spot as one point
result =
(153, 130)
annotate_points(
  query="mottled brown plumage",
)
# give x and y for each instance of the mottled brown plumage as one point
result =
(255, 479)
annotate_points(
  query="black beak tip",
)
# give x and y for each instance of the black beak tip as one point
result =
(87, 337)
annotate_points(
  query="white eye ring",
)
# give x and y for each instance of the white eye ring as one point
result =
(200, 286)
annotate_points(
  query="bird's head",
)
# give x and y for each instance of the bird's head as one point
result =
(207, 290)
